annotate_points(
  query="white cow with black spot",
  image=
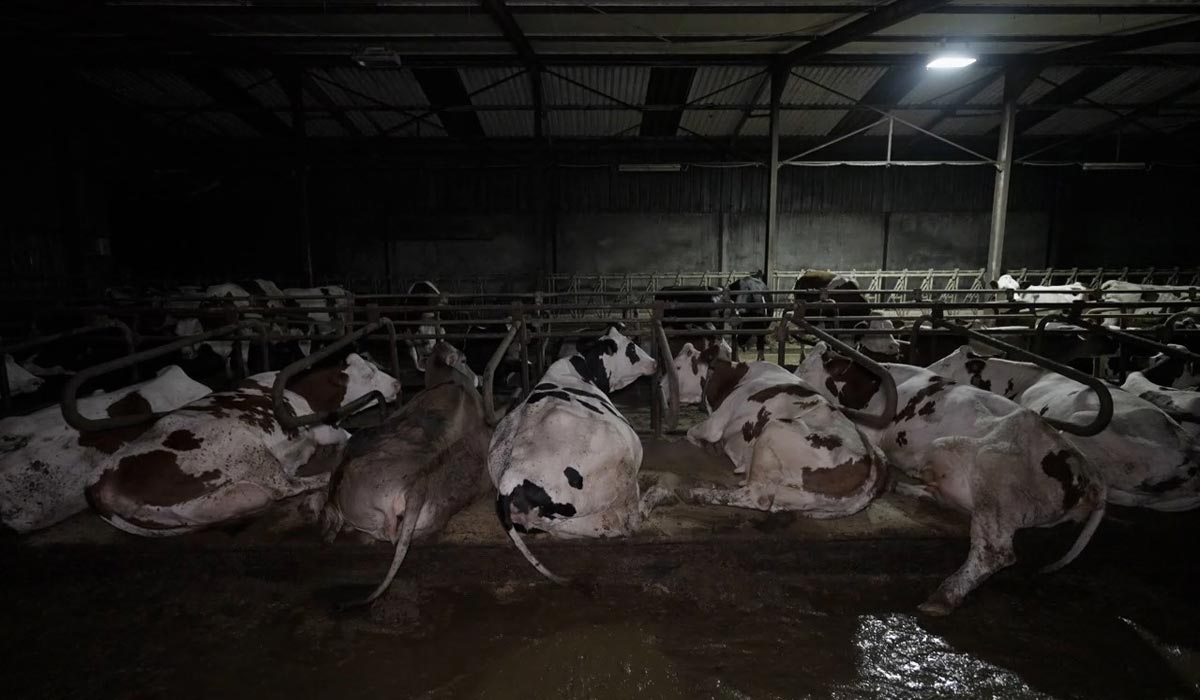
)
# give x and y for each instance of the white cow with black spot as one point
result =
(565, 461)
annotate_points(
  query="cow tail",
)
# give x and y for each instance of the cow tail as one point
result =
(506, 520)
(412, 513)
(1085, 535)
(332, 520)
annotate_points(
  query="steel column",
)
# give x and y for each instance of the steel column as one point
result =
(779, 77)
(995, 260)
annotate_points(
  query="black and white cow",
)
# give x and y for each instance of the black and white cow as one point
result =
(405, 479)
(972, 450)
(226, 456)
(751, 290)
(1144, 456)
(798, 451)
(1027, 294)
(45, 464)
(1183, 405)
(422, 293)
(850, 302)
(691, 367)
(713, 318)
(565, 461)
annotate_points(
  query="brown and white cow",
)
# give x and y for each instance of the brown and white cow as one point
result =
(798, 451)
(565, 461)
(427, 462)
(226, 456)
(974, 451)
(1144, 456)
(45, 464)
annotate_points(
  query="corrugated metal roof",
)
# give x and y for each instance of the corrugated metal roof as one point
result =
(230, 125)
(1039, 88)
(363, 122)
(351, 87)
(513, 92)
(968, 125)
(793, 122)
(261, 85)
(507, 124)
(710, 122)
(713, 83)
(1069, 122)
(324, 129)
(853, 81)
(625, 83)
(176, 90)
(1141, 85)
(615, 123)
(415, 128)
(921, 118)
(946, 87)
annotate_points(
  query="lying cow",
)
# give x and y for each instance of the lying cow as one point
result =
(797, 450)
(1037, 294)
(1183, 405)
(565, 461)
(45, 464)
(1168, 371)
(422, 293)
(1119, 292)
(848, 299)
(974, 451)
(226, 456)
(1144, 456)
(878, 342)
(691, 367)
(409, 476)
(329, 307)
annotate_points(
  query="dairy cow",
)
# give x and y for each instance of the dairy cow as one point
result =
(226, 456)
(797, 450)
(45, 464)
(974, 451)
(879, 343)
(565, 461)
(1144, 456)
(850, 302)
(422, 293)
(1165, 370)
(751, 290)
(324, 301)
(1119, 292)
(407, 477)
(691, 367)
(1037, 294)
(1183, 405)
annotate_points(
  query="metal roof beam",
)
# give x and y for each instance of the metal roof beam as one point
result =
(758, 93)
(891, 87)
(214, 82)
(533, 65)
(1181, 32)
(667, 88)
(1083, 84)
(878, 20)
(313, 88)
(444, 89)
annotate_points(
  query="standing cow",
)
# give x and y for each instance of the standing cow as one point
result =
(45, 464)
(1145, 457)
(565, 461)
(849, 301)
(974, 451)
(226, 456)
(407, 477)
(797, 450)
(752, 291)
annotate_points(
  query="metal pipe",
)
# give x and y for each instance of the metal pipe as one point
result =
(1125, 337)
(283, 410)
(668, 362)
(1103, 396)
(995, 259)
(70, 407)
(779, 76)
(888, 383)
(489, 374)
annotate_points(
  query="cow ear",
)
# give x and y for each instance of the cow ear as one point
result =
(618, 326)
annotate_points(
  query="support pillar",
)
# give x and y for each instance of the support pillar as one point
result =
(995, 259)
(779, 76)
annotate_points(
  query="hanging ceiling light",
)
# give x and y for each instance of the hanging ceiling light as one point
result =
(950, 61)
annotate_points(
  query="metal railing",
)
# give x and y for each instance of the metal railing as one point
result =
(41, 341)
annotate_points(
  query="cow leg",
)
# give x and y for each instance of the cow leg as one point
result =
(761, 341)
(918, 491)
(991, 551)
(749, 497)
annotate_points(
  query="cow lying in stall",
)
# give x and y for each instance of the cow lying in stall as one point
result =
(45, 464)
(565, 461)
(226, 456)
(691, 367)
(1182, 405)
(406, 478)
(1144, 456)
(1026, 293)
(974, 451)
(798, 451)
(1173, 372)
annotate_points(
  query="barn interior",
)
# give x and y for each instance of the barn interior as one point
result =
(242, 187)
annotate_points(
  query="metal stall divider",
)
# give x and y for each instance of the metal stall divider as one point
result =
(70, 405)
(6, 389)
(1103, 416)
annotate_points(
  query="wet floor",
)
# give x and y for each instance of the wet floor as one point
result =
(760, 619)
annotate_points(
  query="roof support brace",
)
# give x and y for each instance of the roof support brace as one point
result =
(1008, 121)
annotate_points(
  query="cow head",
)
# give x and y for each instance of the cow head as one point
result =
(691, 366)
(445, 364)
(877, 346)
(612, 361)
(838, 378)
(363, 377)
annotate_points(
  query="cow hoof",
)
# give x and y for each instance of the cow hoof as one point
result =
(935, 608)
